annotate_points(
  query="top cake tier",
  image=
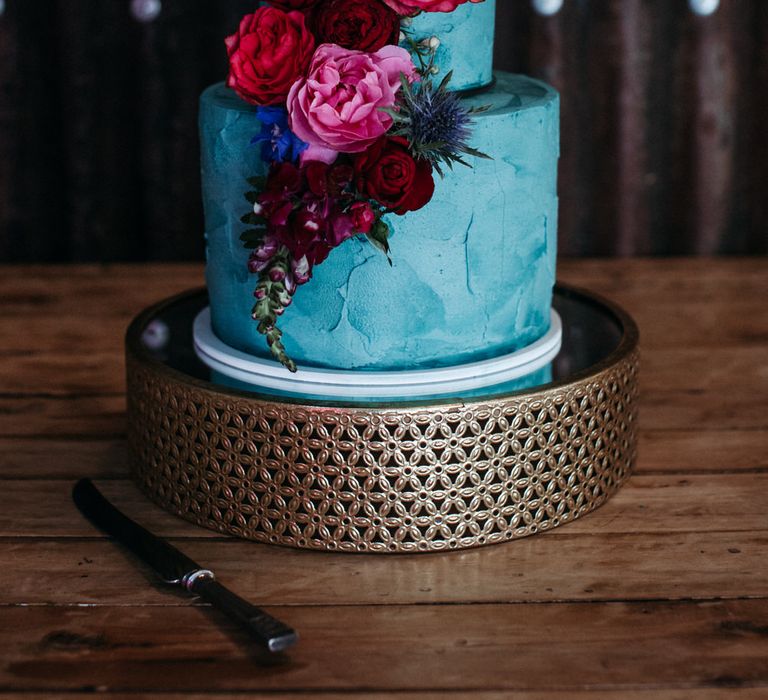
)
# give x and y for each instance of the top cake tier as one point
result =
(466, 42)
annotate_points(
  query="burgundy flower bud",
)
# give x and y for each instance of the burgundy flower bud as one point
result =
(255, 265)
(285, 299)
(302, 271)
(267, 249)
(277, 274)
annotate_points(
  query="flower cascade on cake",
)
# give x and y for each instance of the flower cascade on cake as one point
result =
(352, 128)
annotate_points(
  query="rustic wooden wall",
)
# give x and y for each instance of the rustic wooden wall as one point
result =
(665, 145)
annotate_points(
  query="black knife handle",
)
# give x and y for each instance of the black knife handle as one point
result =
(273, 634)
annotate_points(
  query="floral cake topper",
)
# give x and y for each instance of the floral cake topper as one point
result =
(352, 128)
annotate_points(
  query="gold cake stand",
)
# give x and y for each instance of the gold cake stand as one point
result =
(399, 477)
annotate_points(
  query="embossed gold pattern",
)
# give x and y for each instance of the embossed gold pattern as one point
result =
(382, 479)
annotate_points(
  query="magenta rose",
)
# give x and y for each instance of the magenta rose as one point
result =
(337, 107)
(411, 7)
(267, 54)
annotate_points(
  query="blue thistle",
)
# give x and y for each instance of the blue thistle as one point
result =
(436, 123)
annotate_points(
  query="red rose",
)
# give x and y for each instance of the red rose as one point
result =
(289, 5)
(268, 53)
(389, 174)
(363, 25)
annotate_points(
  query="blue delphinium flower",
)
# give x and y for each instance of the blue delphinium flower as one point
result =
(278, 143)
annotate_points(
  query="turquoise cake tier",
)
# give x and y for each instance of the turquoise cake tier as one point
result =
(472, 272)
(466, 38)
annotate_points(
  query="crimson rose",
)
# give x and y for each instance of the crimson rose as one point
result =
(288, 5)
(363, 25)
(268, 53)
(389, 174)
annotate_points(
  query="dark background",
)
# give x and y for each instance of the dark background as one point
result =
(665, 141)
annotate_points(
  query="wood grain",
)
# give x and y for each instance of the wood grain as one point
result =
(494, 647)
(658, 693)
(719, 565)
(660, 593)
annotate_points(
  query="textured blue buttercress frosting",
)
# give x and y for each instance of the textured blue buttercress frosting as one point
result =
(472, 272)
(466, 38)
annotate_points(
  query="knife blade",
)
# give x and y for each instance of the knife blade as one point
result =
(176, 568)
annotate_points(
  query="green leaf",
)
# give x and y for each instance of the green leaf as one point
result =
(252, 234)
(379, 238)
(252, 219)
(259, 182)
(252, 197)
(397, 116)
(444, 82)
(476, 153)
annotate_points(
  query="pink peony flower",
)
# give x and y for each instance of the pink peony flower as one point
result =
(337, 106)
(410, 7)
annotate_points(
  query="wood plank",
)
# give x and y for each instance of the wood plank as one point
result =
(608, 646)
(697, 279)
(697, 410)
(604, 567)
(56, 417)
(59, 374)
(646, 504)
(30, 291)
(656, 693)
(660, 451)
(702, 450)
(731, 372)
(30, 458)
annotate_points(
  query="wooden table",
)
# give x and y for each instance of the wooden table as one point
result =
(662, 593)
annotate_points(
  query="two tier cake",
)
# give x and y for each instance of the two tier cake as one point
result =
(376, 207)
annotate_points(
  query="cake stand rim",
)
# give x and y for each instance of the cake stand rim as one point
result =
(628, 344)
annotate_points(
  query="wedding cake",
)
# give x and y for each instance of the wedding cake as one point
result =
(376, 197)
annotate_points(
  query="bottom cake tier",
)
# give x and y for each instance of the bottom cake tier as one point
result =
(404, 477)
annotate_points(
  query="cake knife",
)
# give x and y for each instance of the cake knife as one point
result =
(175, 568)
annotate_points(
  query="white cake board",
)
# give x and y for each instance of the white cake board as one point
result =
(351, 384)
